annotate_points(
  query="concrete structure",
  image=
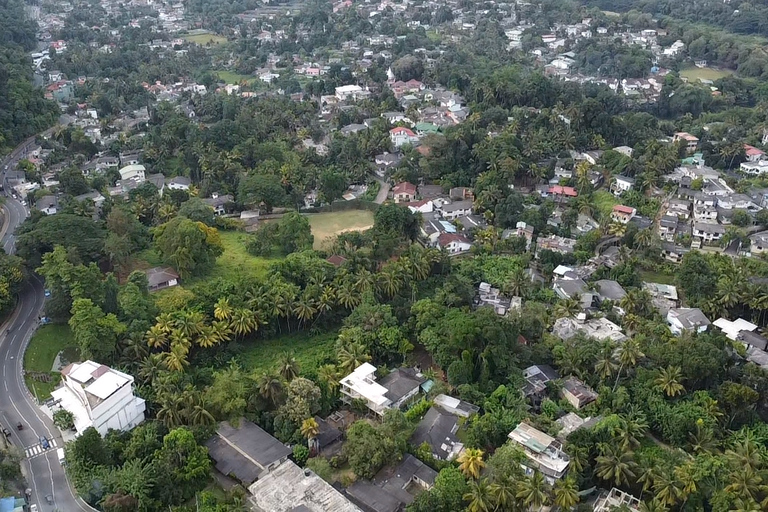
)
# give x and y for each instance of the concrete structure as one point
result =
(245, 452)
(732, 329)
(616, 499)
(452, 211)
(622, 214)
(390, 392)
(577, 393)
(687, 319)
(454, 243)
(348, 92)
(179, 183)
(622, 184)
(99, 397)
(134, 172)
(691, 142)
(543, 453)
(404, 192)
(401, 136)
(289, 488)
(598, 328)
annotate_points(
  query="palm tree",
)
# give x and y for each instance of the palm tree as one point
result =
(605, 366)
(566, 493)
(190, 323)
(502, 492)
(614, 465)
(351, 356)
(207, 337)
(329, 375)
(745, 454)
(745, 483)
(243, 322)
(652, 506)
(176, 358)
(630, 429)
(310, 429)
(151, 367)
(270, 387)
(156, 337)
(288, 367)
(568, 307)
(668, 381)
(533, 491)
(629, 353)
(471, 462)
(519, 282)
(390, 280)
(166, 322)
(479, 497)
(616, 229)
(667, 489)
(223, 309)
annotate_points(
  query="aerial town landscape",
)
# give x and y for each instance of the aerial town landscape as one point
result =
(383, 256)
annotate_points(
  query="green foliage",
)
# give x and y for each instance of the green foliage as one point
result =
(197, 210)
(447, 495)
(190, 247)
(300, 454)
(95, 333)
(291, 234)
(368, 448)
(40, 233)
(63, 419)
(418, 410)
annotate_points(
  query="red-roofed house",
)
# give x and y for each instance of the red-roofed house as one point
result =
(691, 142)
(753, 154)
(453, 243)
(404, 192)
(423, 206)
(401, 135)
(622, 213)
(336, 260)
(559, 190)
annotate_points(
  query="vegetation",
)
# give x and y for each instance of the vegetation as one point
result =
(47, 342)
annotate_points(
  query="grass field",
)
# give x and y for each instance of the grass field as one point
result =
(327, 225)
(693, 74)
(604, 202)
(204, 39)
(46, 343)
(231, 77)
(650, 276)
(310, 351)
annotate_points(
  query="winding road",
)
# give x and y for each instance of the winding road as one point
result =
(46, 478)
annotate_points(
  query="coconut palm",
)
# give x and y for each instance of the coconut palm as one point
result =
(166, 322)
(519, 282)
(478, 497)
(270, 387)
(629, 353)
(652, 506)
(615, 466)
(390, 280)
(668, 381)
(329, 374)
(667, 488)
(176, 358)
(310, 429)
(533, 490)
(352, 355)
(223, 309)
(566, 493)
(630, 429)
(156, 337)
(471, 462)
(288, 368)
(207, 338)
(190, 323)
(243, 322)
(151, 367)
(744, 483)
(567, 308)
(745, 454)
(605, 366)
(502, 492)
(221, 330)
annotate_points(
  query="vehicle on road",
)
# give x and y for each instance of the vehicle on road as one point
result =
(33, 508)
(47, 292)
(44, 443)
(60, 455)
(19, 426)
(6, 432)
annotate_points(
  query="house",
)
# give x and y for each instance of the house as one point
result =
(572, 422)
(758, 243)
(708, 232)
(404, 192)
(430, 191)
(753, 154)
(542, 452)
(609, 290)
(159, 278)
(536, 378)
(438, 429)
(690, 142)
(327, 434)
(393, 488)
(622, 214)
(386, 161)
(158, 180)
(490, 297)
(179, 183)
(616, 499)
(686, 319)
(732, 329)
(219, 203)
(455, 406)
(133, 172)
(401, 136)
(49, 205)
(461, 194)
(753, 340)
(347, 92)
(395, 117)
(577, 393)
(668, 227)
(456, 209)
(566, 288)
(391, 392)
(621, 184)
(94, 196)
(600, 329)
(663, 296)
(289, 488)
(99, 397)
(453, 243)
(245, 452)
(555, 243)
(560, 192)
(423, 206)
(673, 252)
(679, 208)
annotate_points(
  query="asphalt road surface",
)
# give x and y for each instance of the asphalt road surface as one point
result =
(46, 477)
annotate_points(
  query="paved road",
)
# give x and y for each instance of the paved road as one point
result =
(383, 191)
(46, 477)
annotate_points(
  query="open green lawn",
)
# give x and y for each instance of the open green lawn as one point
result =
(45, 344)
(693, 73)
(231, 77)
(327, 225)
(310, 351)
(604, 202)
(206, 38)
(649, 276)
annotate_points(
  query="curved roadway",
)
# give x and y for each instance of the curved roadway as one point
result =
(45, 476)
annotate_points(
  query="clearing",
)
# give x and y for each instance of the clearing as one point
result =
(231, 77)
(693, 73)
(604, 202)
(41, 353)
(310, 352)
(205, 38)
(328, 225)
(235, 261)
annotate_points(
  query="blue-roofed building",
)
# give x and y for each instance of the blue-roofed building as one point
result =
(12, 504)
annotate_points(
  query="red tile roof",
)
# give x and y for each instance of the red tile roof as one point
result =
(402, 129)
(752, 151)
(624, 209)
(447, 238)
(564, 191)
(405, 188)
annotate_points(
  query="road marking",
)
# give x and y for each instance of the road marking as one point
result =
(37, 449)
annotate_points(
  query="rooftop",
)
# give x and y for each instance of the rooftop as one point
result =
(438, 429)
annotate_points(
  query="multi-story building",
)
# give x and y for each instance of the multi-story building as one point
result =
(542, 452)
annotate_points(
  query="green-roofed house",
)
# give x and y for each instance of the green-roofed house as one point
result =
(426, 128)
(696, 159)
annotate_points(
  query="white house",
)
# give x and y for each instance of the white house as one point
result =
(687, 319)
(135, 172)
(622, 184)
(99, 397)
(346, 92)
(454, 243)
(391, 392)
(542, 452)
(401, 136)
(708, 232)
(179, 183)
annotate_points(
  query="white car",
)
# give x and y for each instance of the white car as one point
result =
(33, 508)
